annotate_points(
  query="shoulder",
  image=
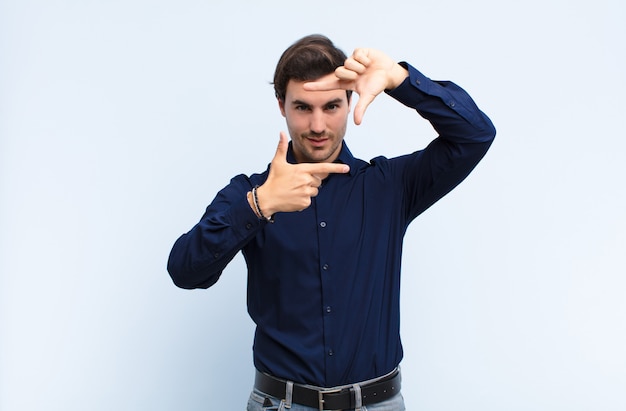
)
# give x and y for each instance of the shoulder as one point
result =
(250, 180)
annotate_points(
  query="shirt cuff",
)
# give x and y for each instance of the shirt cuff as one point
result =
(244, 219)
(405, 92)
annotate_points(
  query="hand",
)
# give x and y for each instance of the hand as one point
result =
(289, 187)
(368, 72)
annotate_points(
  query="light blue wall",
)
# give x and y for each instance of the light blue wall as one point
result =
(119, 120)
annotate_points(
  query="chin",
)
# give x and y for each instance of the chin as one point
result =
(318, 157)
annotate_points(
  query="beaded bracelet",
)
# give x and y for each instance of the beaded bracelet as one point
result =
(255, 199)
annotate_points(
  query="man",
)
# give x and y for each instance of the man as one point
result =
(321, 231)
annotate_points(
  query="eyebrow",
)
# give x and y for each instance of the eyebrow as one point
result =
(304, 103)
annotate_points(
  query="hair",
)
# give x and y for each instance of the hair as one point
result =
(307, 59)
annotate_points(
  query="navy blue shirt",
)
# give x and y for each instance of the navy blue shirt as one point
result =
(324, 283)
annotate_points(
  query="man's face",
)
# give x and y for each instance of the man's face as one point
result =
(316, 121)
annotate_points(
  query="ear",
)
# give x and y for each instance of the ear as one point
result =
(281, 106)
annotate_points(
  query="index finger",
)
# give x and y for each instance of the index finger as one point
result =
(325, 168)
(323, 85)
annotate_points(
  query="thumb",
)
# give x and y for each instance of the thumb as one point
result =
(361, 106)
(281, 150)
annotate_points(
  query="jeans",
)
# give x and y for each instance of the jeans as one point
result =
(255, 403)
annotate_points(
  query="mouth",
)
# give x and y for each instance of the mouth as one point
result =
(317, 141)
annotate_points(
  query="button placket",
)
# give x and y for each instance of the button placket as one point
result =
(325, 266)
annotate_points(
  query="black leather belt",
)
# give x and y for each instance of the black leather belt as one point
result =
(331, 399)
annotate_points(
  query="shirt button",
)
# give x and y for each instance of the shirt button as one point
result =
(248, 226)
(328, 310)
(325, 267)
(330, 353)
(451, 103)
(323, 224)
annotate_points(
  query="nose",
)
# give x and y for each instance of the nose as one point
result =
(318, 123)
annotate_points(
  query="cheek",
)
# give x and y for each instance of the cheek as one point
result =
(339, 124)
(296, 123)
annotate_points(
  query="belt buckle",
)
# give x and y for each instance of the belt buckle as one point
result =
(320, 396)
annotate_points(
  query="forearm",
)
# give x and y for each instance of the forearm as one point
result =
(450, 110)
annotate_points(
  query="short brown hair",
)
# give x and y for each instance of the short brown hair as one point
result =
(309, 58)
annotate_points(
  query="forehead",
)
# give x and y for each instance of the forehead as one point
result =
(295, 91)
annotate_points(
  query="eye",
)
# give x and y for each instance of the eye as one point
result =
(332, 107)
(302, 107)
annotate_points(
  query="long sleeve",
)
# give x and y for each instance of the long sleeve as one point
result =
(465, 135)
(198, 257)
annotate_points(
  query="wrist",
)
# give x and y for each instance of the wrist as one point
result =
(251, 204)
(260, 211)
(397, 76)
